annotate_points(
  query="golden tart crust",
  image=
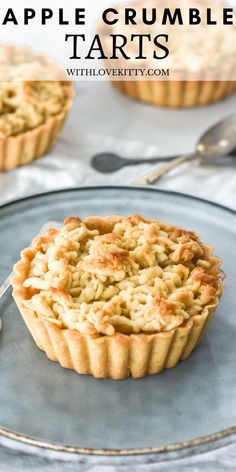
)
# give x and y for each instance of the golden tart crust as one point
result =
(116, 296)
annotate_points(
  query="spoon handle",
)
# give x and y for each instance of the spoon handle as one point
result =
(149, 160)
(156, 174)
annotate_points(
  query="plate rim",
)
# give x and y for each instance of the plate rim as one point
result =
(212, 439)
(117, 187)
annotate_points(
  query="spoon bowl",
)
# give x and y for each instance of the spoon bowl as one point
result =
(107, 162)
(219, 140)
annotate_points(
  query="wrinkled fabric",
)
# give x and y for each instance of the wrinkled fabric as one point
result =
(102, 119)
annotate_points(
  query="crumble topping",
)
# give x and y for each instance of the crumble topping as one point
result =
(118, 274)
(26, 105)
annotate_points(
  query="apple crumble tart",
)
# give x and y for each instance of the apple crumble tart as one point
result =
(32, 113)
(170, 61)
(117, 296)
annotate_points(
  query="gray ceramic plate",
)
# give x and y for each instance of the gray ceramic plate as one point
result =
(42, 401)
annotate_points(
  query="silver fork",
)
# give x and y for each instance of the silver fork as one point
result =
(7, 283)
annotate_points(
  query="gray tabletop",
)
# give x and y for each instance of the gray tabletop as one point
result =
(102, 119)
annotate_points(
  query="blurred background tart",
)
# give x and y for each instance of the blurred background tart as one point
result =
(32, 112)
(202, 58)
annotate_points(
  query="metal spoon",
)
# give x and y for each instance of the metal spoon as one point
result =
(218, 141)
(110, 162)
(207, 147)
